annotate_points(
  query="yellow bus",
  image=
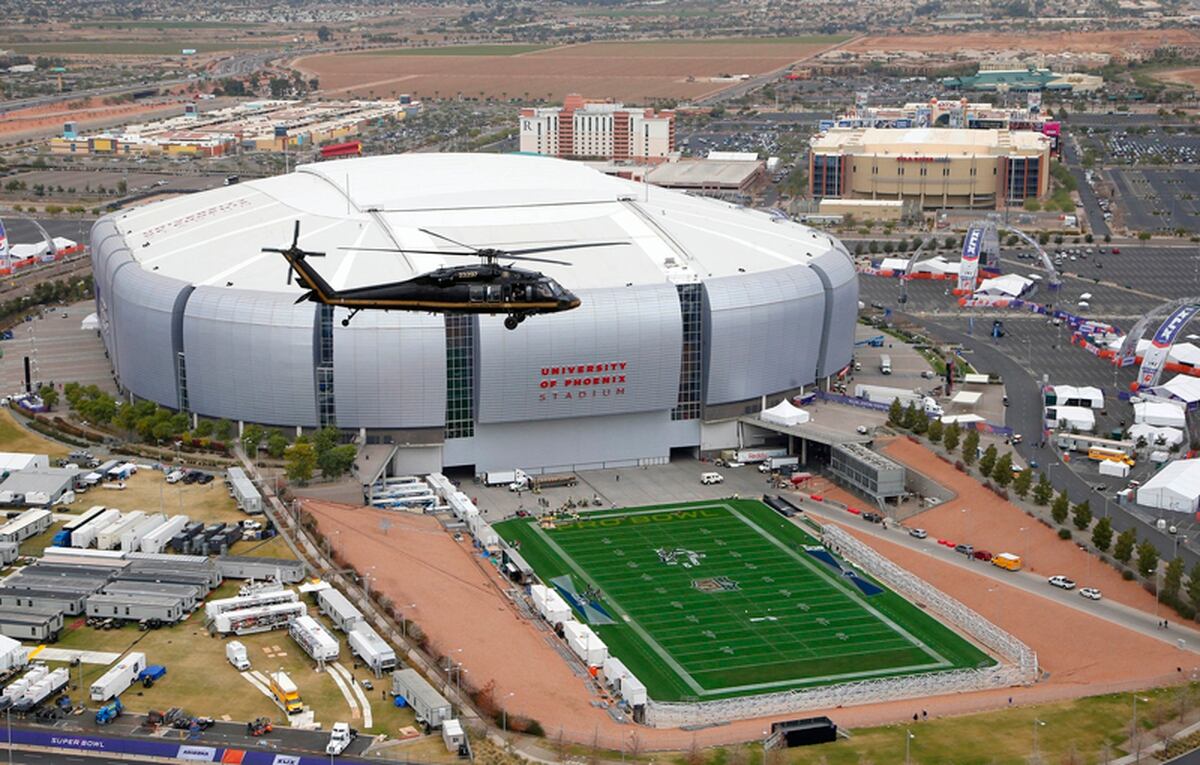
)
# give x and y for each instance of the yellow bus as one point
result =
(1100, 453)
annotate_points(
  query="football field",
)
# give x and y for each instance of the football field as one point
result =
(726, 598)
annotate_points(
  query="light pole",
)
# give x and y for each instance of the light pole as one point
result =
(404, 619)
(8, 724)
(1036, 724)
(504, 712)
(966, 516)
(1133, 731)
(908, 737)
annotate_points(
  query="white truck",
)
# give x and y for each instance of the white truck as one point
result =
(340, 737)
(880, 394)
(235, 652)
(747, 456)
(116, 680)
(499, 477)
(777, 463)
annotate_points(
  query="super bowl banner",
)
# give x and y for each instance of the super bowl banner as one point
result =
(968, 270)
(1160, 345)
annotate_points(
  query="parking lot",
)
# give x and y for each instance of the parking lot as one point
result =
(59, 351)
(1158, 201)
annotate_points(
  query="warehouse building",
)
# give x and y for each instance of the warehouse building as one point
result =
(868, 472)
(938, 167)
(702, 309)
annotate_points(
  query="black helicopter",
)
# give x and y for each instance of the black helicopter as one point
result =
(487, 288)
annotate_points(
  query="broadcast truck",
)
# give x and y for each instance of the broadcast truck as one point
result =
(880, 394)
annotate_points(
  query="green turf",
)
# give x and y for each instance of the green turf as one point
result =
(790, 621)
(460, 50)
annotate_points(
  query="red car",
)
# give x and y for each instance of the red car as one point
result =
(983, 555)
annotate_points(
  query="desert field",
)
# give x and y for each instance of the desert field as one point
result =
(635, 71)
(1116, 43)
(1189, 77)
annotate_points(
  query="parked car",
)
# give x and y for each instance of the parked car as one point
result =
(966, 550)
(872, 517)
(1062, 581)
(983, 555)
(1091, 593)
(918, 533)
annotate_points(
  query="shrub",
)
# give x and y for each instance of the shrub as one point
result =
(959, 466)
(1127, 575)
(1064, 533)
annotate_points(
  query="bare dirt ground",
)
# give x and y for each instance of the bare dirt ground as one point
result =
(1114, 42)
(91, 112)
(630, 71)
(992, 524)
(1190, 77)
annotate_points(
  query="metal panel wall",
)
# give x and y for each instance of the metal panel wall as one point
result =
(108, 253)
(142, 326)
(836, 271)
(762, 332)
(250, 356)
(618, 352)
(389, 370)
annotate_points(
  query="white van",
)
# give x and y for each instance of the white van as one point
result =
(711, 478)
(885, 364)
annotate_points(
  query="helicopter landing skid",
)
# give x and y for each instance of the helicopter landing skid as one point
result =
(513, 320)
(353, 313)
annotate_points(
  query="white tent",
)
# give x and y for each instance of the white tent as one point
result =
(1078, 417)
(1168, 436)
(893, 264)
(1159, 413)
(1009, 285)
(966, 398)
(936, 265)
(961, 419)
(1184, 388)
(1183, 353)
(785, 413)
(1071, 395)
(91, 321)
(1176, 487)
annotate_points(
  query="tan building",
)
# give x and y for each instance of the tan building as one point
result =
(938, 167)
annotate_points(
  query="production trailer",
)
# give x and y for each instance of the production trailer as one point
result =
(314, 639)
(339, 609)
(23, 625)
(43, 689)
(749, 456)
(429, 706)
(215, 608)
(136, 606)
(371, 649)
(131, 541)
(880, 394)
(250, 620)
(84, 536)
(157, 539)
(282, 570)
(109, 537)
(116, 680)
(242, 489)
(28, 524)
(63, 537)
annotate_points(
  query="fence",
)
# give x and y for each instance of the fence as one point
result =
(1019, 665)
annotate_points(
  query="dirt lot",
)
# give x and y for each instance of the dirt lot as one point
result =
(632, 71)
(1117, 43)
(86, 114)
(460, 604)
(1189, 77)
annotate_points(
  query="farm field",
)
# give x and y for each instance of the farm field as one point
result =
(1115, 42)
(130, 48)
(718, 599)
(632, 71)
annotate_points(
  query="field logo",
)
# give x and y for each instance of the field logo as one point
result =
(715, 584)
(969, 267)
(675, 556)
(1160, 345)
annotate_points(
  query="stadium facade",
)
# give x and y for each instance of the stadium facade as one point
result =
(708, 308)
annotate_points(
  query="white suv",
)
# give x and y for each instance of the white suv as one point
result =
(711, 478)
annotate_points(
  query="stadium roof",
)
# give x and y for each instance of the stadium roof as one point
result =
(507, 201)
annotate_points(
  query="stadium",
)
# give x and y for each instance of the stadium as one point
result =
(708, 308)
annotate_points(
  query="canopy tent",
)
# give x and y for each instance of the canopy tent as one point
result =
(785, 413)
(1176, 487)
(90, 322)
(1009, 285)
(1156, 436)
(1184, 388)
(1078, 417)
(962, 419)
(936, 265)
(1160, 413)
(966, 398)
(1070, 395)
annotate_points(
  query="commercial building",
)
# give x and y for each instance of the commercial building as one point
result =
(951, 113)
(1030, 79)
(856, 466)
(581, 128)
(938, 167)
(704, 308)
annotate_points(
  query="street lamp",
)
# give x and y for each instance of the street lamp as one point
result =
(1133, 731)
(966, 525)
(1036, 724)
(908, 737)
(504, 712)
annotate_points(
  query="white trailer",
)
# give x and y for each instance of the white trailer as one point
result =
(131, 541)
(109, 537)
(235, 652)
(28, 524)
(549, 604)
(84, 536)
(214, 608)
(244, 492)
(314, 639)
(373, 650)
(37, 692)
(339, 609)
(157, 539)
(262, 619)
(429, 706)
(119, 677)
(585, 644)
(881, 394)
(13, 655)
(499, 477)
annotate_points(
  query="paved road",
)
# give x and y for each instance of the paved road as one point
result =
(1025, 415)
(1091, 204)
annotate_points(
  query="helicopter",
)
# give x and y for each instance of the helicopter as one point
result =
(487, 288)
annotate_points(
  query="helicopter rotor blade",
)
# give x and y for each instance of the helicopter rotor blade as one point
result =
(296, 235)
(448, 239)
(557, 247)
(306, 296)
(406, 250)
